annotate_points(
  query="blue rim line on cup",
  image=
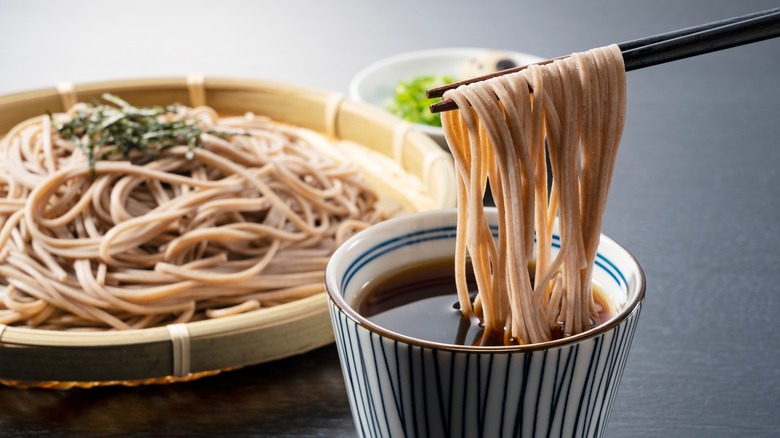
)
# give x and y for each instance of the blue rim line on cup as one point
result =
(450, 231)
(331, 283)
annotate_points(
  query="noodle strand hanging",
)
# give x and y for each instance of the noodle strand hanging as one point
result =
(504, 134)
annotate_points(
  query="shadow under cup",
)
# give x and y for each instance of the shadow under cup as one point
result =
(401, 386)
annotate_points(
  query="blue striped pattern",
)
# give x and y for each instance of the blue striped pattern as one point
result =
(402, 390)
(399, 389)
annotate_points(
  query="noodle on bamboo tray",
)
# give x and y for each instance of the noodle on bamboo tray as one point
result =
(155, 242)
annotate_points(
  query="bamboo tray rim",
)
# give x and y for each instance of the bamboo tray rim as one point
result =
(197, 329)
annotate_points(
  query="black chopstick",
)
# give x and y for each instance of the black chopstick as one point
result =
(698, 40)
(666, 47)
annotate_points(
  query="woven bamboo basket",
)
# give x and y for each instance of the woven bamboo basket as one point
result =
(409, 171)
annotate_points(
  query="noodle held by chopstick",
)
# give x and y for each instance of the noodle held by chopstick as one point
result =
(577, 106)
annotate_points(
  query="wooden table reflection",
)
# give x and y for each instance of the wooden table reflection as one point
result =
(304, 394)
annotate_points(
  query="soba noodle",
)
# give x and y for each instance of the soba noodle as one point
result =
(247, 220)
(577, 106)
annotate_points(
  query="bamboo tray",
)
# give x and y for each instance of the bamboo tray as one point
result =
(408, 169)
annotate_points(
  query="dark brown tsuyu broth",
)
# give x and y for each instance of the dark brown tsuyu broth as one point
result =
(420, 301)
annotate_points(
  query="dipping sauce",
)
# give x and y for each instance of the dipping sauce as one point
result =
(420, 301)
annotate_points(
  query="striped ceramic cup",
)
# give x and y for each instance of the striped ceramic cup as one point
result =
(405, 387)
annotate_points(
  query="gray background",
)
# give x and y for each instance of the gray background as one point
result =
(695, 194)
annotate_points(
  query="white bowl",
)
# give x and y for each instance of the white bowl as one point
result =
(376, 83)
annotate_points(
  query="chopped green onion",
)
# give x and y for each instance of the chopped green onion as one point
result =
(410, 102)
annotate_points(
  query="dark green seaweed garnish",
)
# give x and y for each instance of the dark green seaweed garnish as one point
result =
(121, 129)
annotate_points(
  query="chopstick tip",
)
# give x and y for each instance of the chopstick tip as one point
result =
(442, 105)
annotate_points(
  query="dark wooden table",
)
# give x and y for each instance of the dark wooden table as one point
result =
(696, 194)
(301, 395)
